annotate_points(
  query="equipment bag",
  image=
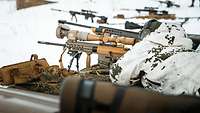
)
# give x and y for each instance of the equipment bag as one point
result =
(23, 72)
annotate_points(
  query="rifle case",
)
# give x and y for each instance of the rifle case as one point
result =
(23, 72)
(84, 96)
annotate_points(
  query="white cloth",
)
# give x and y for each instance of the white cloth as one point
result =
(167, 40)
(170, 35)
(179, 74)
(127, 66)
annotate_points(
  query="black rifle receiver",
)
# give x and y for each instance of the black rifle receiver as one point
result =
(132, 25)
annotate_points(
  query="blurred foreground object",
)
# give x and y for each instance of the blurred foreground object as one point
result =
(84, 96)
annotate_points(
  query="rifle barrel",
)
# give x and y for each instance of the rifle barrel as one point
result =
(88, 11)
(59, 10)
(147, 10)
(70, 23)
(51, 43)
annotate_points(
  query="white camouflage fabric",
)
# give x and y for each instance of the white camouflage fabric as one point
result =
(179, 74)
(157, 57)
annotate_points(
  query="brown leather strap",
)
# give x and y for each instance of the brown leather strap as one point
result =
(115, 107)
(85, 97)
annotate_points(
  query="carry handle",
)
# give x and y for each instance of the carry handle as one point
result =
(34, 57)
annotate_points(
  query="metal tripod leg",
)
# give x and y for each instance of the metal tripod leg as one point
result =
(70, 64)
(77, 56)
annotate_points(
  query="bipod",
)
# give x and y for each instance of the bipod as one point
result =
(74, 54)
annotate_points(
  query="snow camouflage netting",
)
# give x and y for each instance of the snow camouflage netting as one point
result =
(163, 61)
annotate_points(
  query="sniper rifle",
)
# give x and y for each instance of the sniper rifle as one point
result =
(108, 53)
(87, 13)
(169, 3)
(102, 30)
(108, 50)
(152, 10)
